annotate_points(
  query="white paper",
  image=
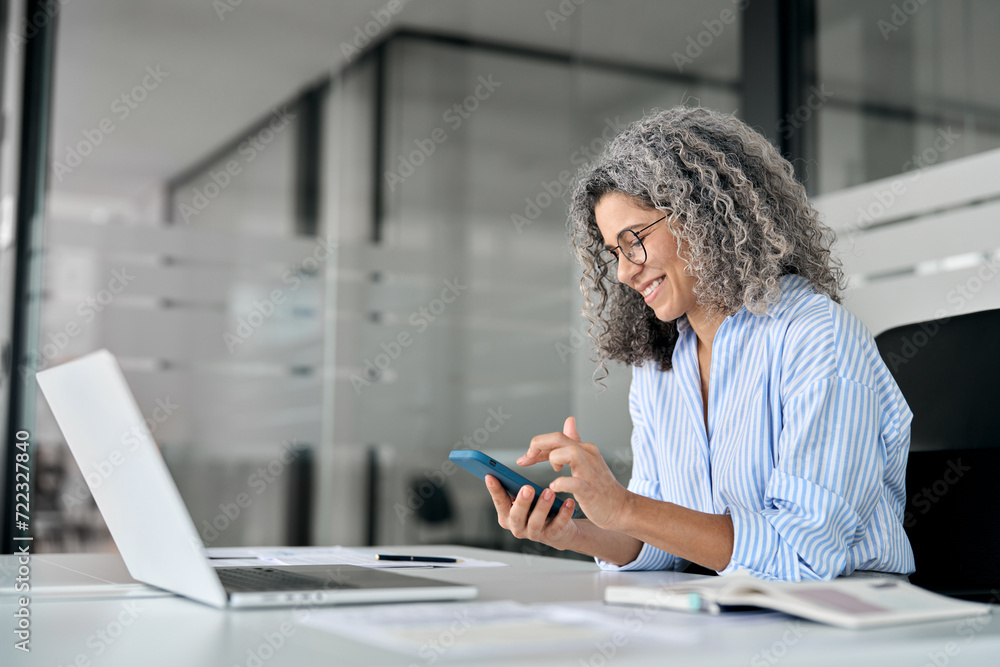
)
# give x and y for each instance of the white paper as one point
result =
(461, 631)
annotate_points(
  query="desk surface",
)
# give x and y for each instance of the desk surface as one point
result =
(72, 624)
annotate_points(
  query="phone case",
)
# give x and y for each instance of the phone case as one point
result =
(481, 465)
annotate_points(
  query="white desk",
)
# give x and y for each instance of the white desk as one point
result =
(160, 629)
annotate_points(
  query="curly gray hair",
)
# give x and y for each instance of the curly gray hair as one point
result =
(740, 217)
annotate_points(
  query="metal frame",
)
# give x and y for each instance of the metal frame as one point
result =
(33, 167)
(309, 158)
(308, 106)
(779, 70)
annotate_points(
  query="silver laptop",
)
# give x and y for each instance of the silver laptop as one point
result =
(158, 541)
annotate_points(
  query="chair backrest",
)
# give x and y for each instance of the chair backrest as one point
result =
(949, 372)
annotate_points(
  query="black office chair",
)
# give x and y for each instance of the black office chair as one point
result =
(949, 372)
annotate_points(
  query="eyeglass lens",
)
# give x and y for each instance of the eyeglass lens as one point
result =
(629, 245)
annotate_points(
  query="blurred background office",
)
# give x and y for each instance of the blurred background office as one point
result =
(326, 239)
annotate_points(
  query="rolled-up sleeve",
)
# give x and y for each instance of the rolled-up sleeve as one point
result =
(643, 482)
(823, 490)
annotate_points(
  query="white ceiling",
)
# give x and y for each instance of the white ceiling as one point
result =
(226, 71)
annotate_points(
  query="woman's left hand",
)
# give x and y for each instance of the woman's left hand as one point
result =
(592, 484)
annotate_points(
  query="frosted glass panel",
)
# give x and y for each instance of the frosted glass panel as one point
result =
(470, 331)
(248, 188)
(219, 335)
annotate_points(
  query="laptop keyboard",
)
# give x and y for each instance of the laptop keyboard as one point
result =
(247, 579)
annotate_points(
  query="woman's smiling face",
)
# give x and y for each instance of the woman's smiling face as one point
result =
(661, 278)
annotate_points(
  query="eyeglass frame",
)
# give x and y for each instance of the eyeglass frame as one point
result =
(616, 257)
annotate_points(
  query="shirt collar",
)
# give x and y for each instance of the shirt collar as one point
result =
(793, 287)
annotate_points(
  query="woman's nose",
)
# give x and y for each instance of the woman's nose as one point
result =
(627, 270)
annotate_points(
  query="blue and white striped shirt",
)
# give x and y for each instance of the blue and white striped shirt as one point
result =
(806, 446)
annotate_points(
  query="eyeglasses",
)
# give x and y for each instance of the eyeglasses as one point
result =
(630, 246)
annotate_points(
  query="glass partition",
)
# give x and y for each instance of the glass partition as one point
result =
(326, 370)
(903, 86)
(470, 333)
(215, 315)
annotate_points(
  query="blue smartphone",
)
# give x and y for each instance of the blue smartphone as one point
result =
(481, 465)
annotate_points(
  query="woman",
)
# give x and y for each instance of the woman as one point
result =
(768, 435)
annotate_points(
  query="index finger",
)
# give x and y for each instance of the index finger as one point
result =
(542, 445)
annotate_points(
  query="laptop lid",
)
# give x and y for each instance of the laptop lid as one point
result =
(128, 477)
(149, 522)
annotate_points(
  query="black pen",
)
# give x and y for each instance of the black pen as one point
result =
(417, 559)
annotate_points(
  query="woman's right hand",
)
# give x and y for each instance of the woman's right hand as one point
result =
(559, 532)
